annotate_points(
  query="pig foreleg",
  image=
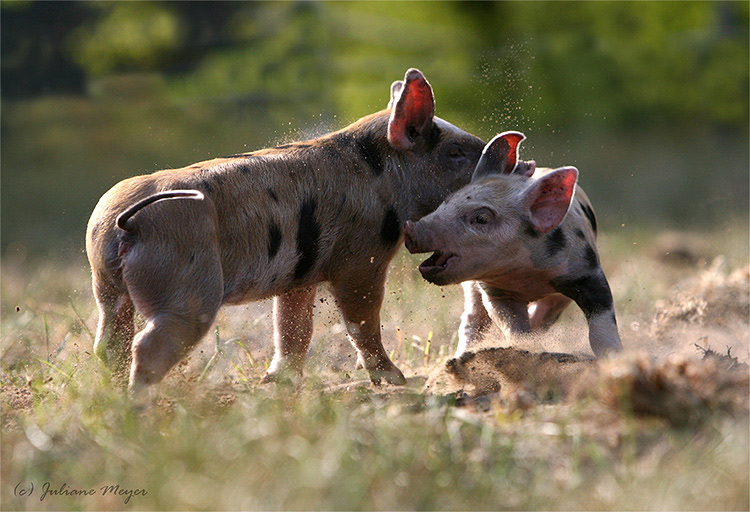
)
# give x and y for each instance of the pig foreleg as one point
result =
(509, 314)
(293, 326)
(474, 320)
(360, 308)
(592, 294)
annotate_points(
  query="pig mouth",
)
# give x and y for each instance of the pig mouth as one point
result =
(432, 267)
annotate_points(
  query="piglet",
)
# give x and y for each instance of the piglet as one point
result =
(178, 244)
(522, 241)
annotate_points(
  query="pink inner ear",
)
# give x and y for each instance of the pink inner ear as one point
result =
(513, 139)
(550, 198)
(414, 108)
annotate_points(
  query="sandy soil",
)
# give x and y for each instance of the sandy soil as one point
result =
(661, 373)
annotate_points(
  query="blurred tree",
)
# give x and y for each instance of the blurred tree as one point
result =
(620, 63)
(33, 59)
(126, 36)
(543, 63)
(99, 90)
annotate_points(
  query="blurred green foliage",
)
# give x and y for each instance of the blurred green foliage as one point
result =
(645, 97)
(130, 35)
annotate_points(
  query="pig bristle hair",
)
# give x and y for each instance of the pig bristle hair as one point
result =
(125, 216)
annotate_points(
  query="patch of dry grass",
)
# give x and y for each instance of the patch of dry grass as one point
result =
(656, 428)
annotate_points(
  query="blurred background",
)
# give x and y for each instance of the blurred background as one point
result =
(648, 99)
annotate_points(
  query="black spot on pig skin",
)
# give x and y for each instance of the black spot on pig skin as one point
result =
(390, 230)
(205, 185)
(274, 240)
(245, 168)
(432, 137)
(589, 213)
(580, 234)
(367, 147)
(591, 292)
(555, 242)
(528, 228)
(308, 238)
(591, 258)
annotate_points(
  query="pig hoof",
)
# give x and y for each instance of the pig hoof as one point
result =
(268, 378)
(142, 397)
(392, 376)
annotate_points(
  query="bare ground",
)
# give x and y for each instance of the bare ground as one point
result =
(680, 386)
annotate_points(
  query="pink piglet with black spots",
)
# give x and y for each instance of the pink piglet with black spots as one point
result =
(522, 241)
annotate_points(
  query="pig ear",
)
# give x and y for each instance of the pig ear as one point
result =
(549, 198)
(525, 168)
(500, 155)
(412, 111)
(395, 91)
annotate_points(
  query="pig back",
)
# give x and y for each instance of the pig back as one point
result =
(287, 221)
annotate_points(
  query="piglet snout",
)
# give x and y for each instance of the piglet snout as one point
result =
(410, 237)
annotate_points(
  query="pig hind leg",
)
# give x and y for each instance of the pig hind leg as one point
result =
(545, 312)
(293, 326)
(593, 295)
(178, 288)
(474, 321)
(115, 330)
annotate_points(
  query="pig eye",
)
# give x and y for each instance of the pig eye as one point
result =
(481, 217)
(455, 152)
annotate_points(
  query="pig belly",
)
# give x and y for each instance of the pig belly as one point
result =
(521, 286)
(263, 281)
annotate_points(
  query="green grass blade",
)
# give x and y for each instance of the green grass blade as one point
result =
(80, 319)
(69, 376)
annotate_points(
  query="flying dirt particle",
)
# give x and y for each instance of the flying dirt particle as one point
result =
(712, 297)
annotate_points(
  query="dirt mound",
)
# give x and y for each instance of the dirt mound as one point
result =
(714, 296)
(680, 389)
(517, 373)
